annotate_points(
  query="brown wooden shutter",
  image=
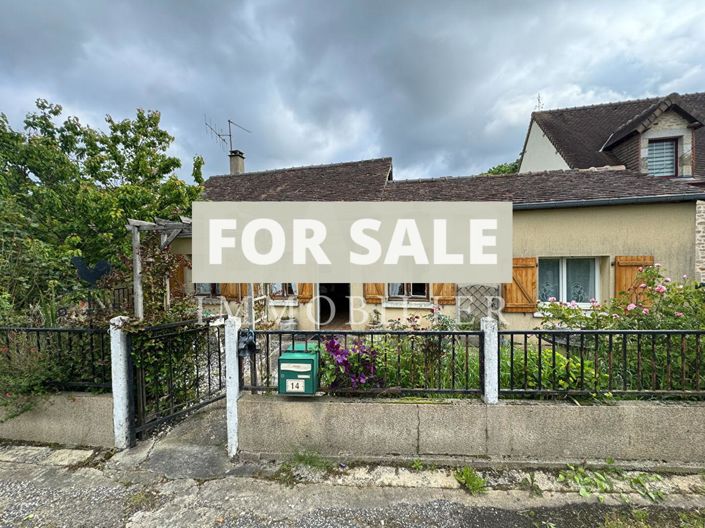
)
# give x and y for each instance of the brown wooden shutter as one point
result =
(230, 290)
(305, 291)
(520, 295)
(373, 292)
(625, 272)
(177, 280)
(444, 292)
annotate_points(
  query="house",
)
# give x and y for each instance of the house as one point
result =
(578, 235)
(662, 136)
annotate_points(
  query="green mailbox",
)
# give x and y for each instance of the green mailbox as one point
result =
(298, 370)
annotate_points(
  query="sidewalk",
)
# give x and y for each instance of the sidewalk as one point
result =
(185, 479)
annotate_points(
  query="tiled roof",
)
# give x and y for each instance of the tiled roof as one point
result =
(355, 180)
(368, 181)
(569, 188)
(579, 133)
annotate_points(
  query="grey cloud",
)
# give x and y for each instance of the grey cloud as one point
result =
(443, 87)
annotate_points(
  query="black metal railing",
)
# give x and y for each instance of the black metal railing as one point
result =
(381, 362)
(67, 358)
(177, 368)
(122, 298)
(631, 363)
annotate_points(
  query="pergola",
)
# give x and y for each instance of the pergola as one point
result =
(168, 230)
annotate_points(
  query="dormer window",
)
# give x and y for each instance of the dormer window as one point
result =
(663, 157)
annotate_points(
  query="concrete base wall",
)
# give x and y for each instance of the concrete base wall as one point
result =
(272, 426)
(68, 418)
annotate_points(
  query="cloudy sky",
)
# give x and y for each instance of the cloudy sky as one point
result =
(445, 88)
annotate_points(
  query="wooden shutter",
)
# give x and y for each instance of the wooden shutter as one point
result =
(444, 292)
(373, 292)
(520, 295)
(230, 290)
(305, 291)
(177, 280)
(625, 272)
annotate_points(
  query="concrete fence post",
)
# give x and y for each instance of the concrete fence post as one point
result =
(232, 380)
(120, 370)
(490, 392)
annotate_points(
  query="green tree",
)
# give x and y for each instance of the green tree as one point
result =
(511, 167)
(68, 189)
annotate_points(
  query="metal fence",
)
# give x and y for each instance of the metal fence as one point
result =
(641, 363)
(70, 358)
(178, 367)
(376, 362)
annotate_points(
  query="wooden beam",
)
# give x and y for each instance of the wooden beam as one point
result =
(137, 293)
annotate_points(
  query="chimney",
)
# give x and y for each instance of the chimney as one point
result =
(237, 162)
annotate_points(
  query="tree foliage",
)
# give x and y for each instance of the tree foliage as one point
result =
(511, 167)
(68, 189)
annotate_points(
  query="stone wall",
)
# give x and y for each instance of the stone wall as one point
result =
(700, 241)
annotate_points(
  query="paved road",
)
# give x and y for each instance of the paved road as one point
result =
(184, 479)
(41, 486)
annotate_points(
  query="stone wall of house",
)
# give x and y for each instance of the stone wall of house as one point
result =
(700, 241)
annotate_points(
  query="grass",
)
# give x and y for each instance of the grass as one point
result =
(470, 480)
(142, 500)
(311, 460)
(287, 474)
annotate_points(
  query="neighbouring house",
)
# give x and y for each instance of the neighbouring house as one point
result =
(578, 235)
(662, 136)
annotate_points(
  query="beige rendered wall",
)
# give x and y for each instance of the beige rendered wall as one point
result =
(540, 154)
(666, 231)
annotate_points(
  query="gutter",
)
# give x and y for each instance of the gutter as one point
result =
(668, 198)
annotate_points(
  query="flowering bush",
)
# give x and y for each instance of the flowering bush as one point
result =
(655, 302)
(352, 367)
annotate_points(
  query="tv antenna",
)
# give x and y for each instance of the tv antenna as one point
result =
(224, 138)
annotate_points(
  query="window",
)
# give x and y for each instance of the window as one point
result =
(282, 290)
(407, 291)
(210, 289)
(663, 157)
(568, 279)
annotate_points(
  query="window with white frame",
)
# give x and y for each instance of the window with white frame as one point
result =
(282, 290)
(663, 157)
(568, 279)
(407, 291)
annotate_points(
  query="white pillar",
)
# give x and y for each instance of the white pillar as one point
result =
(120, 370)
(232, 381)
(490, 392)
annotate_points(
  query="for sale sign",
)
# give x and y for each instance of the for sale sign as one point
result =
(352, 242)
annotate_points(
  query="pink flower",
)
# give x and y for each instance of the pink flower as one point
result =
(573, 304)
(630, 307)
(660, 289)
(679, 314)
(645, 311)
(685, 276)
(551, 299)
(642, 285)
(640, 269)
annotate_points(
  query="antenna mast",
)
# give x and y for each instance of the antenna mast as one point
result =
(224, 138)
